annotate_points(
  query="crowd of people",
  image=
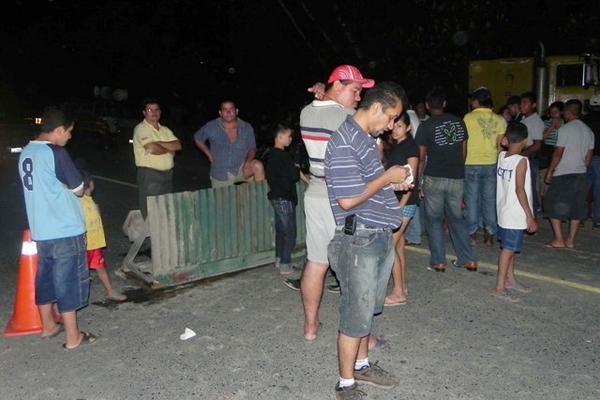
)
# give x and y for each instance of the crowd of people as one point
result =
(381, 176)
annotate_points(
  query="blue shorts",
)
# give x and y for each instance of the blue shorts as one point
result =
(511, 239)
(409, 211)
(62, 276)
(362, 263)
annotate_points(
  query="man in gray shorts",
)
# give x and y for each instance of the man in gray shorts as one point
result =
(318, 121)
(366, 210)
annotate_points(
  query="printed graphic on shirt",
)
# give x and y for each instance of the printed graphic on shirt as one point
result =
(489, 128)
(505, 174)
(449, 133)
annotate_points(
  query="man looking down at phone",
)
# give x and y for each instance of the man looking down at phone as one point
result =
(361, 194)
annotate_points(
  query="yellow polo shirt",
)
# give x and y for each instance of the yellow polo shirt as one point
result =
(484, 127)
(145, 133)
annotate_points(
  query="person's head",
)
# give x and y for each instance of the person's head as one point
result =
(572, 109)
(56, 126)
(514, 104)
(228, 111)
(88, 183)
(435, 100)
(151, 110)
(282, 136)
(555, 110)
(506, 113)
(481, 98)
(528, 104)
(401, 128)
(345, 84)
(516, 136)
(380, 106)
(420, 109)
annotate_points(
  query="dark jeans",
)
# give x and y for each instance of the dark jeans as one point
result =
(444, 197)
(285, 229)
(152, 182)
(534, 167)
(480, 197)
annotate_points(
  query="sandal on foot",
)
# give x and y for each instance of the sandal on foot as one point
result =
(60, 329)
(88, 338)
(393, 303)
(116, 296)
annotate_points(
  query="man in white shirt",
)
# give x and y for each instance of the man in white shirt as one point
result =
(567, 176)
(535, 134)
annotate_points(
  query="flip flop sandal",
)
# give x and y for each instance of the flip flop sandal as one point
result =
(506, 296)
(88, 338)
(61, 329)
(394, 303)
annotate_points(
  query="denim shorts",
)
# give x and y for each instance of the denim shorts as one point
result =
(62, 276)
(409, 211)
(362, 263)
(511, 239)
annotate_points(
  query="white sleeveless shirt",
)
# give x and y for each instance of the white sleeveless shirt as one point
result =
(510, 212)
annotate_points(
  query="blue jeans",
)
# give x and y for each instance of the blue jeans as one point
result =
(285, 230)
(443, 197)
(480, 197)
(413, 230)
(63, 275)
(362, 263)
(594, 175)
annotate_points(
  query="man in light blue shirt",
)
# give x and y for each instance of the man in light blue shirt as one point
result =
(232, 148)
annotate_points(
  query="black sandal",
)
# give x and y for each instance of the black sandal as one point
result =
(88, 338)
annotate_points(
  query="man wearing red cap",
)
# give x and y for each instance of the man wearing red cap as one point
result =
(318, 121)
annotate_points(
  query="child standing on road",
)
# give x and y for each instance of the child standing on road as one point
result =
(95, 239)
(514, 207)
(282, 175)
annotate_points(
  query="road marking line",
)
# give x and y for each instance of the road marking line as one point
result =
(543, 278)
(103, 178)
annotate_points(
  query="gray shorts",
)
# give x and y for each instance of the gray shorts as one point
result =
(320, 223)
(362, 263)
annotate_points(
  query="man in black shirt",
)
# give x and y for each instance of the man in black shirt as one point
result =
(592, 119)
(442, 141)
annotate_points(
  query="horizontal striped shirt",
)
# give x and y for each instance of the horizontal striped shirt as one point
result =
(318, 121)
(351, 161)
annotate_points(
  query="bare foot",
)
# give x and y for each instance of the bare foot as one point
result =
(555, 245)
(570, 245)
(116, 296)
(58, 328)
(310, 331)
(393, 300)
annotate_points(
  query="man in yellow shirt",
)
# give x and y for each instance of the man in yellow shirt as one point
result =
(154, 147)
(485, 129)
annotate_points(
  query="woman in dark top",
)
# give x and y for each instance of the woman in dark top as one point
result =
(403, 151)
(282, 175)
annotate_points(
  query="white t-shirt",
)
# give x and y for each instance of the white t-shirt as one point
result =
(510, 212)
(577, 139)
(414, 122)
(535, 128)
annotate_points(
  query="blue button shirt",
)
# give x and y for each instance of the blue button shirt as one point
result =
(228, 156)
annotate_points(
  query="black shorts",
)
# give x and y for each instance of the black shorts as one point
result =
(565, 197)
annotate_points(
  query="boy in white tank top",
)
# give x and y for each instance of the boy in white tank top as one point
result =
(514, 208)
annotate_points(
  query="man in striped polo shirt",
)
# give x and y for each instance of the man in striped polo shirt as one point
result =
(366, 210)
(318, 121)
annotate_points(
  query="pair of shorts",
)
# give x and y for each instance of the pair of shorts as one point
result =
(511, 239)
(362, 263)
(63, 276)
(320, 223)
(95, 259)
(565, 197)
(409, 211)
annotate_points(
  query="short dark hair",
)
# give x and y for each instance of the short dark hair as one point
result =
(557, 104)
(53, 117)
(436, 97)
(386, 93)
(530, 96)
(404, 117)
(513, 100)
(574, 106)
(227, 101)
(516, 132)
(147, 101)
(279, 129)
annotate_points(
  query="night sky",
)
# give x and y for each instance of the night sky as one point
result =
(265, 53)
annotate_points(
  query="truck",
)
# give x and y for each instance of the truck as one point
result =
(552, 78)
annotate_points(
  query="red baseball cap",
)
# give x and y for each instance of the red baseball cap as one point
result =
(350, 73)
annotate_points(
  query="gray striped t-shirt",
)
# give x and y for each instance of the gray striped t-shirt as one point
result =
(351, 162)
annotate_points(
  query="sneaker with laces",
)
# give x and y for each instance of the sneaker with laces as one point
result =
(334, 288)
(293, 284)
(376, 376)
(349, 392)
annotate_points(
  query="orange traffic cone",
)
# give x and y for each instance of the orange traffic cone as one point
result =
(26, 316)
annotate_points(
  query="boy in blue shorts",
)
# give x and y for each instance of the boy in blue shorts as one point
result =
(51, 187)
(514, 208)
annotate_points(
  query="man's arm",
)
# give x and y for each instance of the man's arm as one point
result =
(158, 148)
(396, 174)
(588, 157)
(556, 157)
(204, 149)
(522, 195)
(533, 149)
